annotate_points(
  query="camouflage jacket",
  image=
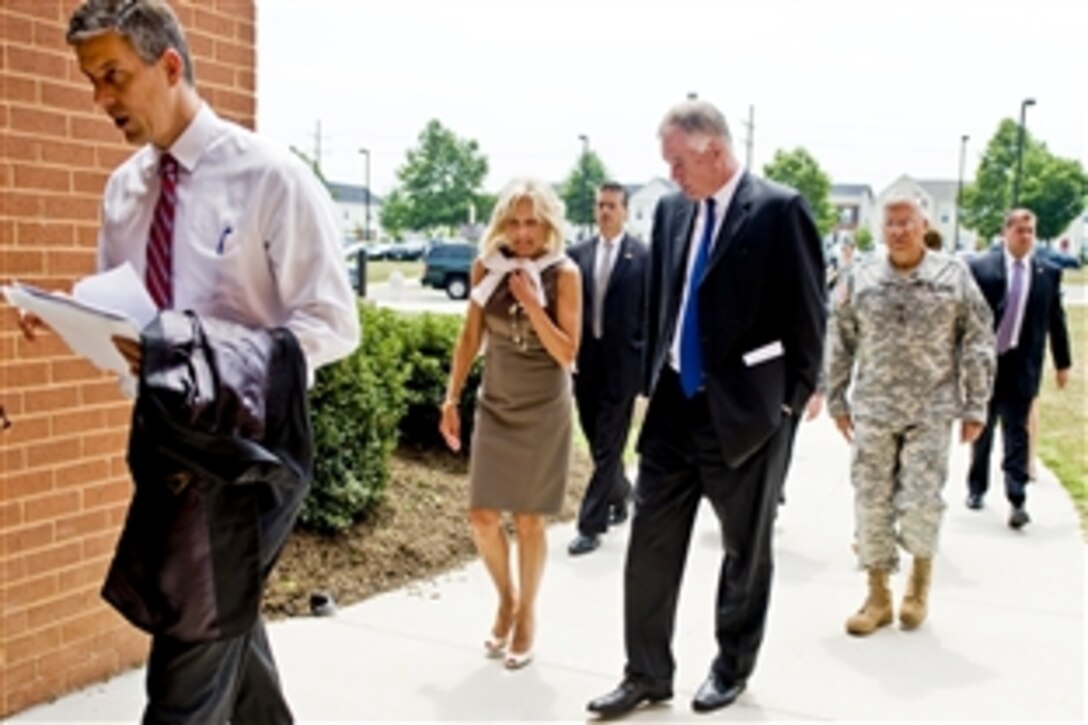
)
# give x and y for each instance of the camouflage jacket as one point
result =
(917, 346)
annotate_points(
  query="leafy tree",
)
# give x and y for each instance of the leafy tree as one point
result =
(395, 213)
(985, 202)
(863, 239)
(1052, 187)
(797, 168)
(579, 190)
(1055, 189)
(440, 178)
(485, 204)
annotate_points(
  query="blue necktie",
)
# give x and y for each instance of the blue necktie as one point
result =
(691, 348)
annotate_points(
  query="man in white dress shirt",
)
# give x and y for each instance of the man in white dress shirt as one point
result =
(224, 225)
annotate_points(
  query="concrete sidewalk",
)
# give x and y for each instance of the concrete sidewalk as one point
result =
(1005, 639)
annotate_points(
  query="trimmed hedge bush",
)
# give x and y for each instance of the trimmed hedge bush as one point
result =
(429, 341)
(356, 404)
(387, 392)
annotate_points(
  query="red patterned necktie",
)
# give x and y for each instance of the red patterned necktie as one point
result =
(160, 268)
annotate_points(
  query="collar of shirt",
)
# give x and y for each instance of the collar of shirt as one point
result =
(193, 141)
(610, 243)
(1010, 260)
(923, 270)
(723, 197)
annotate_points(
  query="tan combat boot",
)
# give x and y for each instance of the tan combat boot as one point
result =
(877, 610)
(913, 610)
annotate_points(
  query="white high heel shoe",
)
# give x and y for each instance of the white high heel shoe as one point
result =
(517, 660)
(495, 647)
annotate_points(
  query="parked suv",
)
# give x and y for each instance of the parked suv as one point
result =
(407, 251)
(448, 266)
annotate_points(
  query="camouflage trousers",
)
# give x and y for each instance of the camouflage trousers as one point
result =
(898, 473)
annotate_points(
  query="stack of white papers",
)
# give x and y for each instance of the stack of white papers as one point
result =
(113, 303)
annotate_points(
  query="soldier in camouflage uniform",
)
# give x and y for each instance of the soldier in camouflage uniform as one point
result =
(919, 331)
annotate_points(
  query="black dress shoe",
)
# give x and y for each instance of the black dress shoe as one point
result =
(583, 544)
(617, 514)
(629, 695)
(716, 693)
(1019, 517)
(974, 501)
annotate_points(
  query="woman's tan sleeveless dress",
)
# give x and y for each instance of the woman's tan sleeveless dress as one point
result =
(521, 440)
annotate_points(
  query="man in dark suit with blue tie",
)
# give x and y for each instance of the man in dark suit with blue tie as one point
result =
(1024, 293)
(735, 327)
(607, 376)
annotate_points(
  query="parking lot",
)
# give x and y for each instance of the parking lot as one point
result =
(408, 295)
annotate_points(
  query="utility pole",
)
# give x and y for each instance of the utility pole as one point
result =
(749, 136)
(318, 137)
(585, 183)
(959, 194)
(366, 218)
(1020, 152)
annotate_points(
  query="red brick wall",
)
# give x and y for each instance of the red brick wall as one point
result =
(64, 485)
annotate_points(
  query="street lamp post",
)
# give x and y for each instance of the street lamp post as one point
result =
(1020, 152)
(959, 194)
(585, 179)
(366, 201)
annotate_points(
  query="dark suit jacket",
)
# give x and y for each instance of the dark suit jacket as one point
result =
(622, 341)
(764, 284)
(1022, 367)
(221, 453)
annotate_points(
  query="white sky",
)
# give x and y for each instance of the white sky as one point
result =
(873, 88)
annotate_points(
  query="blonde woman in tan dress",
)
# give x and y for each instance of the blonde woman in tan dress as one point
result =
(526, 306)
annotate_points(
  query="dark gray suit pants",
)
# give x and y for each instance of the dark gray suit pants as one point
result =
(681, 461)
(212, 683)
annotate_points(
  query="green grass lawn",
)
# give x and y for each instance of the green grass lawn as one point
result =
(1075, 276)
(1063, 423)
(378, 270)
(630, 455)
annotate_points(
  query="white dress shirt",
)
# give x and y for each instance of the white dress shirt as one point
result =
(256, 236)
(723, 197)
(1025, 289)
(605, 257)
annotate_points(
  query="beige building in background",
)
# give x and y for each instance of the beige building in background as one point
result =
(642, 199)
(938, 200)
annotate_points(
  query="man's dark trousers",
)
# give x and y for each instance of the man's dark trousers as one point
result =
(681, 461)
(245, 688)
(605, 420)
(1009, 405)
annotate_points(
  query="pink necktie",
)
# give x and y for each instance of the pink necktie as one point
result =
(160, 268)
(1012, 307)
